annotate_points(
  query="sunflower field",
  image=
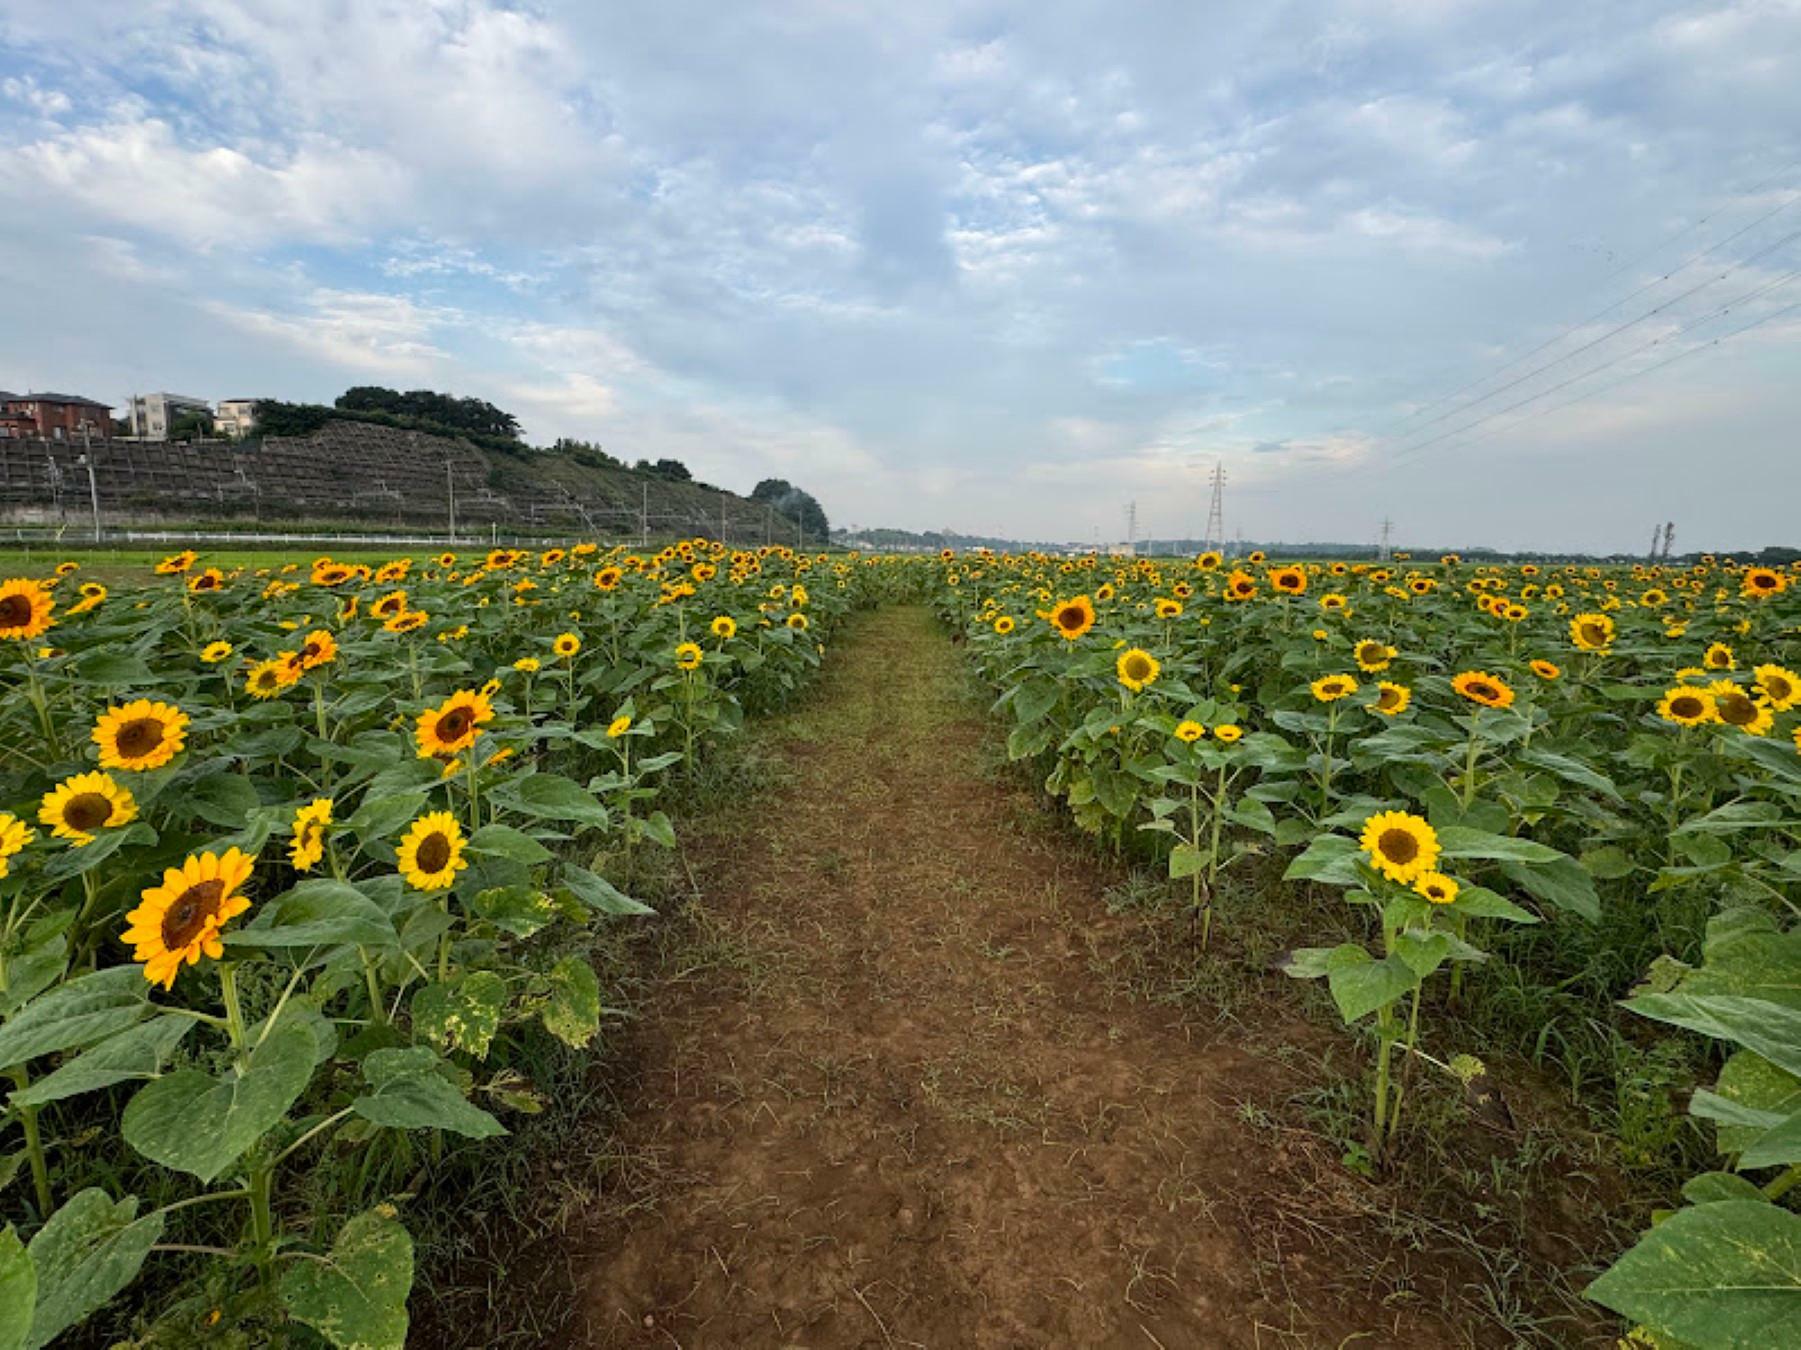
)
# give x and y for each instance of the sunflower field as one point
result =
(292, 863)
(1509, 781)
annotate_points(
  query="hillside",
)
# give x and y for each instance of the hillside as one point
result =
(355, 473)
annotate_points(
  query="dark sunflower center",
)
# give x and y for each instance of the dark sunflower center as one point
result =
(185, 918)
(87, 811)
(1778, 687)
(1737, 710)
(454, 725)
(1398, 846)
(1483, 691)
(1069, 618)
(433, 853)
(140, 736)
(15, 611)
(1138, 668)
(1388, 698)
(1686, 706)
(1593, 633)
(1763, 583)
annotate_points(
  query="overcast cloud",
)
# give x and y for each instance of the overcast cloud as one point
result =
(998, 267)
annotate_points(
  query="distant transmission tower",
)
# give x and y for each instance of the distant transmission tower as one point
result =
(1669, 538)
(1382, 553)
(1216, 513)
(1131, 528)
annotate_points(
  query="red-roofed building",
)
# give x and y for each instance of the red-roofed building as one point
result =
(54, 417)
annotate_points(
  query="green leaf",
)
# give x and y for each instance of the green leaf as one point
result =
(356, 1297)
(598, 893)
(1610, 862)
(549, 796)
(18, 1291)
(461, 1015)
(1330, 858)
(317, 913)
(1185, 860)
(1723, 1275)
(1770, 1029)
(519, 910)
(1562, 882)
(573, 1011)
(86, 1009)
(89, 1251)
(506, 842)
(1482, 903)
(1751, 1081)
(1570, 770)
(1361, 984)
(1710, 1186)
(73, 862)
(199, 1124)
(1459, 841)
(137, 1052)
(384, 815)
(413, 1092)
(1422, 952)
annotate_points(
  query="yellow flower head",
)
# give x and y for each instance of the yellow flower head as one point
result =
(1437, 887)
(566, 645)
(25, 607)
(618, 727)
(140, 735)
(1137, 668)
(1227, 733)
(78, 807)
(688, 656)
(725, 627)
(1189, 732)
(14, 835)
(1401, 846)
(215, 652)
(431, 853)
(180, 919)
(308, 845)
(453, 725)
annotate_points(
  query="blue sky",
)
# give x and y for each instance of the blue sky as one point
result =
(993, 267)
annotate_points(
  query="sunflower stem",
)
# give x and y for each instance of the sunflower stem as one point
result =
(34, 1146)
(234, 1014)
(262, 1222)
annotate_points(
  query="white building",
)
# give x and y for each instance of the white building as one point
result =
(236, 417)
(151, 415)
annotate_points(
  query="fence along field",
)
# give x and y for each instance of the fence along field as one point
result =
(305, 859)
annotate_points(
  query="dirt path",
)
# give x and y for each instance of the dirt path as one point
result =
(894, 1101)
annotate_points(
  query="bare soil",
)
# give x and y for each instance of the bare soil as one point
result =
(893, 1095)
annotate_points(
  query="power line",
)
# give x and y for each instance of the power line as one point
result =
(1610, 333)
(1632, 295)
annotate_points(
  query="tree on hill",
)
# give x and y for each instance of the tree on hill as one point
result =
(672, 469)
(473, 415)
(792, 502)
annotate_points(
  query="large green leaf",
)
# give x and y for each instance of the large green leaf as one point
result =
(73, 862)
(519, 910)
(317, 913)
(1751, 1081)
(89, 1250)
(1330, 858)
(356, 1295)
(78, 1013)
(572, 1013)
(1720, 1276)
(1563, 882)
(136, 1052)
(1771, 1029)
(506, 842)
(1459, 841)
(597, 893)
(18, 1291)
(199, 1124)
(461, 1015)
(1361, 984)
(412, 1091)
(549, 796)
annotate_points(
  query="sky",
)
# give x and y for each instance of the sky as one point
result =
(1000, 268)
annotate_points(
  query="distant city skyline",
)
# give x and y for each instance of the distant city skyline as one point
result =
(1001, 267)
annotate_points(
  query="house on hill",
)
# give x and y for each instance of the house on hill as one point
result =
(53, 417)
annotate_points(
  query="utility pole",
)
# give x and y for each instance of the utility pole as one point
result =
(87, 459)
(1216, 512)
(644, 520)
(722, 520)
(450, 493)
(1387, 529)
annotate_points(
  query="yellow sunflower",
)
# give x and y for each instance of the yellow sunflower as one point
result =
(1781, 686)
(1004, 625)
(618, 727)
(77, 807)
(215, 652)
(1759, 582)
(1546, 670)
(608, 578)
(1372, 655)
(1478, 686)
(409, 622)
(1391, 698)
(452, 726)
(1073, 618)
(1402, 847)
(1208, 561)
(1189, 732)
(688, 656)
(1168, 609)
(431, 854)
(566, 645)
(1739, 708)
(1289, 580)
(1687, 706)
(25, 607)
(1719, 657)
(140, 735)
(1436, 887)
(1591, 632)
(725, 627)
(180, 919)
(1227, 733)
(1331, 688)
(319, 649)
(528, 665)
(1240, 586)
(308, 845)
(14, 835)
(798, 621)
(1137, 668)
